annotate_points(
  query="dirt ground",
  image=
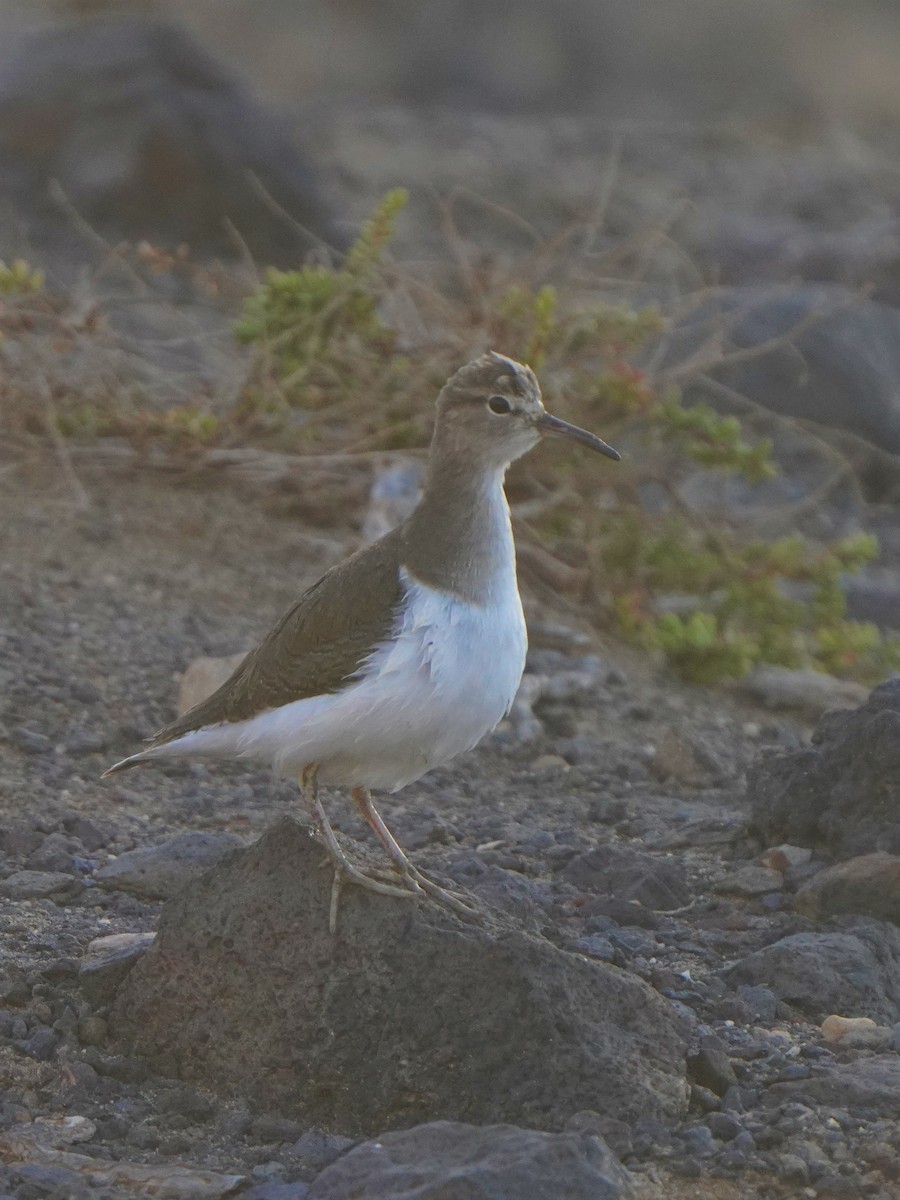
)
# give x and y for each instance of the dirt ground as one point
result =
(109, 593)
(112, 582)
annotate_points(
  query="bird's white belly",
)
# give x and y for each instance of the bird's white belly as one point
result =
(445, 680)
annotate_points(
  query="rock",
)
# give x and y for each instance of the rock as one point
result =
(836, 363)
(62, 1131)
(750, 880)
(684, 760)
(202, 677)
(39, 885)
(148, 137)
(525, 726)
(784, 857)
(857, 970)
(21, 1148)
(158, 872)
(841, 793)
(273, 1189)
(56, 853)
(801, 689)
(449, 1161)
(654, 880)
(711, 1068)
(871, 1083)
(868, 885)
(395, 492)
(761, 1001)
(317, 1149)
(859, 1033)
(109, 961)
(554, 1032)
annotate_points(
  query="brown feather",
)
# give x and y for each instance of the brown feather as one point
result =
(319, 643)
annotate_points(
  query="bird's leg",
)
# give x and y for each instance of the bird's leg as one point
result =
(398, 857)
(343, 867)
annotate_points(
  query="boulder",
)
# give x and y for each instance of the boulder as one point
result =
(843, 792)
(148, 137)
(157, 872)
(405, 1015)
(868, 885)
(856, 970)
(449, 1161)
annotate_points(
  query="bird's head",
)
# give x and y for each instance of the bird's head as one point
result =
(492, 410)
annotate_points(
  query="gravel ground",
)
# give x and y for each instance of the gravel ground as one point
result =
(619, 817)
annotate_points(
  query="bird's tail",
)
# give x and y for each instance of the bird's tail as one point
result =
(133, 760)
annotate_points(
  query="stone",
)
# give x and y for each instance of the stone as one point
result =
(318, 1149)
(394, 493)
(750, 880)
(856, 970)
(246, 993)
(149, 137)
(856, 1032)
(870, 1083)
(681, 759)
(842, 793)
(40, 885)
(657, 881)
(203, 676)
(19, 1147)
(711, 1068)
(275, 1189)
(158, 872)
(449, 1161)
(56, 853)
(801, 689)
(785, 857)
(868, 884)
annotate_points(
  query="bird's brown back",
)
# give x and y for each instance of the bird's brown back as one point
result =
(319, 643)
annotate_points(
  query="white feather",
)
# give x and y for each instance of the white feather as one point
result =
(447, 676)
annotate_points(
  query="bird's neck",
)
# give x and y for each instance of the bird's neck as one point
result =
(459, 538)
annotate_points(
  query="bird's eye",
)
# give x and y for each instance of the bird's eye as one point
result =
(499, 405)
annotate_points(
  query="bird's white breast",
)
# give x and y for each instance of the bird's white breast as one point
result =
(446, 677)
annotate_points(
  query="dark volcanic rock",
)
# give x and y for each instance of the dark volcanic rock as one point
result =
(843, 792)
(655, 880)
(837, 365)
(856, 971)
(871, 1083)
(404, 1016)
(157, 872)
(447, 1161)
(148, 136)
(101, 975)
(868, 885)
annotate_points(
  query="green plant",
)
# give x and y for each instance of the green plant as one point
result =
(317, 331)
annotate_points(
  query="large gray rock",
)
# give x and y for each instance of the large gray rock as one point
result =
(158, 872)
(448, 1161)
(872, 1083)
(829, 356)
(856, 971)
(843, 792)
(149, 137)
(404, 1016)
(868, 886)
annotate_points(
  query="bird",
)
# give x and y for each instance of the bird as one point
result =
(405, 654)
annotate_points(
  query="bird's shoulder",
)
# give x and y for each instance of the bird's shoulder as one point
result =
(317, 645)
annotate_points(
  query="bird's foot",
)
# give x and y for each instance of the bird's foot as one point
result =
(446, 896)
(345, 871)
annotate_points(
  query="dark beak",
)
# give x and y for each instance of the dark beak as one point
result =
(557, 428)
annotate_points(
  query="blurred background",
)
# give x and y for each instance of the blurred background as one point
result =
(698, 60)
(731, 165)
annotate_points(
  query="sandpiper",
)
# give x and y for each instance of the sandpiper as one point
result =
(407, 653)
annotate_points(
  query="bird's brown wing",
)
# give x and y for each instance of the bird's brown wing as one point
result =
(317, 645)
